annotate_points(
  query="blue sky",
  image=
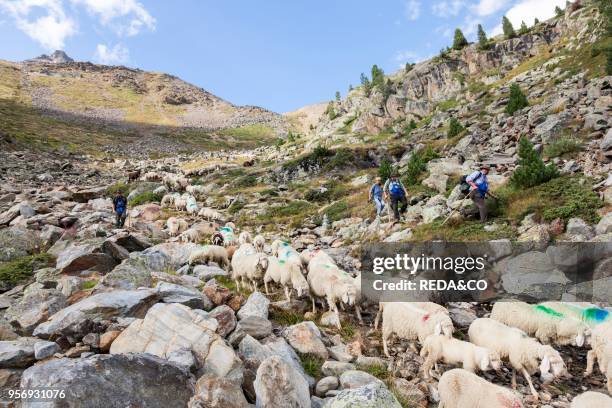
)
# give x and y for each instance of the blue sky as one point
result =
(279, 54)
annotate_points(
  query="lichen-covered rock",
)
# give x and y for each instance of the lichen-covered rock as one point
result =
(278, 384)
(374, 395)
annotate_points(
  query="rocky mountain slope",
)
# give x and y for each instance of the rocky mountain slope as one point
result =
(120, 315)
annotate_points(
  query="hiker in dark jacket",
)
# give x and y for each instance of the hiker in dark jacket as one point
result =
(395, 191)
(479, 190)
(120, 209)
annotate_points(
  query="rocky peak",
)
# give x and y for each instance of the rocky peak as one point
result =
(57, 57)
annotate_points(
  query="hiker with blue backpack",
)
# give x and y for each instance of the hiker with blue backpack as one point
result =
(120, 209)
(479, 190)
(395, 191)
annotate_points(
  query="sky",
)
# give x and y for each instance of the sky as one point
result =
(278, 54)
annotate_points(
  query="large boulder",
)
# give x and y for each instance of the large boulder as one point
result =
(85, 255)
(126, 380)
(191, 297)
(356, 379)
(130, 274)
(78, 318)
(169, 255)
(374, 395)
(34, 308)
(17, 242)
(215, 392)
(605, 224)
(278, 384)
(256, 305)
(305, 337)
(17, 353)
(170, 327)
(533, 274)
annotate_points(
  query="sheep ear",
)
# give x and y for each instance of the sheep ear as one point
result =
(484, 363)
(580, 340)
(545, 365)
(438, 329)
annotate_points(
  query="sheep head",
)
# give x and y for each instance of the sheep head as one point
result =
(550, 361)
(494, 361)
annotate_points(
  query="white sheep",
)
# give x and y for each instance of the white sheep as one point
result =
(210, 214)
(169, 199)
(453, 351)
(152, 176)
(410, 321)
(591, 399)
(210, 253)
(547, 325)
(245, 238)
(288, 275)
(601, 352)
(176, 226)
(589, 313)
(197, 190)
(524, 353)
(191, 205)
(249, 267)
(198, 232)
(260, 242)
(180, 203)
(460, 388)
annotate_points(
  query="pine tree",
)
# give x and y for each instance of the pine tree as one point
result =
(517, 100)
(384, 169)
(524, 29)
(454, 128)
(531, 170)
(459, 41)
(508, 29)
(558, 11)
(378, 77)
(536, 21)
(366, 83)
(337, 96)
(483, 41)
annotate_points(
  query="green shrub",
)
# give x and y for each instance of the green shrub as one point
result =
(531, 170)
(385, 169)
(236, 206)
(246, 181)
(312, 364)
(562, 146)
(418, 164)
(454, 128)
(113, 189)
(517, 100)
(338, 211)
(18, 270)
(146, 197)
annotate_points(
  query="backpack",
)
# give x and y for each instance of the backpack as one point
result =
(120, 205)
(395, 188)
(464, 186)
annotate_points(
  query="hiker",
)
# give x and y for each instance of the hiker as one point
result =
(396, 192)
(120, 209)
(376, 196)
(479, 189)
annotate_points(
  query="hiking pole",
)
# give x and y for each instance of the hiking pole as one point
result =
(448, 218)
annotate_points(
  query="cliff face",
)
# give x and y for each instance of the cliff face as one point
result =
(415, 93)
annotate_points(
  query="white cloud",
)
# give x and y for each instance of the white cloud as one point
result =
(528, 10)
(488, 7)
(118, 54)
(51, 22)
(110, 10)
(49, 27)
(447, 8)
(497, 30)
(413, 9)
(444, 30)
(403, 56)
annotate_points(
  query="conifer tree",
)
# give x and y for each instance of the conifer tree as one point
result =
(531, 170)
(483, 41)
(507, 28)
(459, 41)
(517, 100)
(524, 29)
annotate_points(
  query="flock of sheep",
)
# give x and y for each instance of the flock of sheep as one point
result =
(505, 337)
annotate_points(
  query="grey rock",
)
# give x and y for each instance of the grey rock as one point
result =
(356, 379)
(374, 395)
(183, 358)
(207, 272)
(215, 392)
(577, 226)
(85, 255)
(34, 308)
(256, 305)
(279, 384)
(606, 142)
(339, 353)
(533, 274)
(605, 224)
(17, 353)
(336, 368)
(124, 380)
(255, 326)
(77, 318)
(191, 297)
(326, 384)
(44, 349)
(305, 337)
